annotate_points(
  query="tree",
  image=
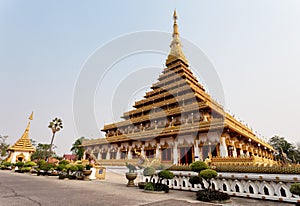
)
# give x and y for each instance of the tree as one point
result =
(41, 152)
(3, 146)
(286, 151)
(55, 125)
(76, 149)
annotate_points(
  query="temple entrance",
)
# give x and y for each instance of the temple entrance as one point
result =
(186, 155)
(20, 157)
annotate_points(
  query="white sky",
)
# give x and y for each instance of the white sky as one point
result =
(254, 46)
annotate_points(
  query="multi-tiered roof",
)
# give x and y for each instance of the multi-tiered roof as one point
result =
(23, 144)
(173, 99)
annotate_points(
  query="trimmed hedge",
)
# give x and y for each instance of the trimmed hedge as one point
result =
(211, 195)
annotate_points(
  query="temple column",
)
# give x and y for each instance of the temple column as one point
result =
(157, 152)
(223, 147)
(241, 151)
(234, 153)
(175, 153)
(118, 155)
(143, 151)
(200, 154)
(108, 154)
(129, 155)
(196, 150)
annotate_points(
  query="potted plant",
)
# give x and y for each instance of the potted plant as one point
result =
(131, 175)
(159, 186)
(87, 171)
(148, 171)
(207, 194)
(295, 189)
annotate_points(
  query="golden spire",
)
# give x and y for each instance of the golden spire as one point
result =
(176, 48)
(24, 144)
(31, 116)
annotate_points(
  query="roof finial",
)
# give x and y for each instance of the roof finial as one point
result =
(175, 16)
(175, 26)
(176, 50)
(31, 116)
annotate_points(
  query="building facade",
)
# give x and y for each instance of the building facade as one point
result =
(178, 122)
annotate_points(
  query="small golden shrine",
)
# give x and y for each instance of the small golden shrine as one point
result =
(22, 149)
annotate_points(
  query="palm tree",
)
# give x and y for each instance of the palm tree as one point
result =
(76, 149)
(55, 125)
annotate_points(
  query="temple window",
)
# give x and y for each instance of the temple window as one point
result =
(166, 154)
(103, 155)
(123, 154)
(150, 153)
(113, 155)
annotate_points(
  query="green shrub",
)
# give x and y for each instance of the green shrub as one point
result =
(64, 162)
(198, 166)
(73, 168)
(80, 167)
(88, 166)
(47, 166)
(41, 162)
(149, 186)
(30, 164)
(60, 167)
(6, 164)
(25, 169)
(165, 174)
(195, 180)
(295, 188)
(149, 171)
(19, 164)
(208, 174)
(207, 196)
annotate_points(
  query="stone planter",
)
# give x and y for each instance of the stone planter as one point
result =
(131, 176)
(86, 174)
(142, 185)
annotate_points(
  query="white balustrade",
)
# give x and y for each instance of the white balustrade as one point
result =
(250, 185)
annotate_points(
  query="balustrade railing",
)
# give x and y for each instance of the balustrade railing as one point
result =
(259, 186)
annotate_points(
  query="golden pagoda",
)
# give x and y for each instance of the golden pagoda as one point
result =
(22, 149)
(177, 122)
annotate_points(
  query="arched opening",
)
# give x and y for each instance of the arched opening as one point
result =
(282, 192)
(183, 183)
(168, 182)
(237, 188)
(251, 190)
(224, 187)
(266, 191)
(213, 186)
(175, 183)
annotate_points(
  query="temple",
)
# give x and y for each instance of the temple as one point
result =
(178, 122)
(22, 149)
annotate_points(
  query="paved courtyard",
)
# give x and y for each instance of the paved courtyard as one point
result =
(24, 189)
